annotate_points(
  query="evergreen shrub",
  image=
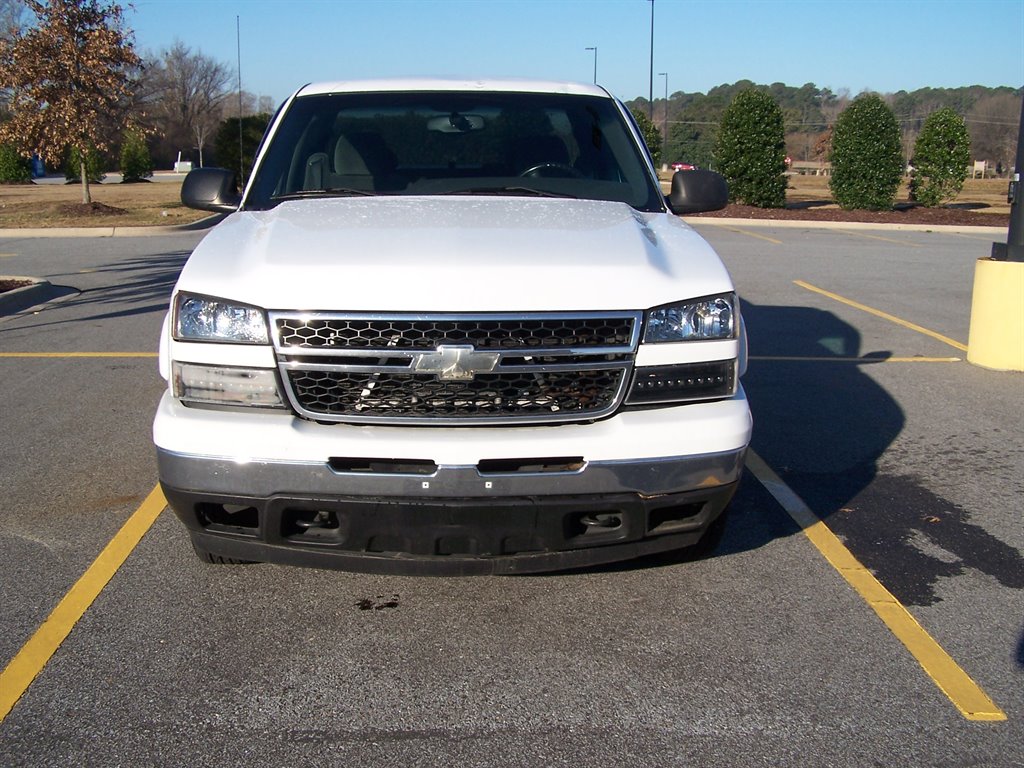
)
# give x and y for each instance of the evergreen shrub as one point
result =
(867, 156)
(941, 154)
(751, 150)
(95, 165)
(15, 168)
(136, 163)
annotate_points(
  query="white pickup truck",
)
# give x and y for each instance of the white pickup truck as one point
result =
(451, 327)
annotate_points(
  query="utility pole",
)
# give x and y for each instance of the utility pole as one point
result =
(594, 49)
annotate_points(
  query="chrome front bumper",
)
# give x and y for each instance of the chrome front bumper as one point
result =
(447, 519)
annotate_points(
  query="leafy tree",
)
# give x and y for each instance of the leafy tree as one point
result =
(941, 155)
(225, 143)
(15, 168)
(867, 159)
(751, 150)
(11, 19)
(136, 163)
(68, 75)
(650, 133)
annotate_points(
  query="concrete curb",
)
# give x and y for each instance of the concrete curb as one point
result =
(17, 299)
(39, 292)
(209, 221)
(796, 223)
(176, 229)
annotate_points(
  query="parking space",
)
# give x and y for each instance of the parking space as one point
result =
(760, 654)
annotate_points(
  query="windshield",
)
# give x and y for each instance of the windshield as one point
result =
(454, 143)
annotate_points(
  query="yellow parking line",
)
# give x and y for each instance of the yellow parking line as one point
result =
(853, 233)
(753, 234)
(34, 655)
(824, 359)
(78, 354)
(962, 691)
(883, 315)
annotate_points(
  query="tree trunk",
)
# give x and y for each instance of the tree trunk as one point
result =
(86, 197)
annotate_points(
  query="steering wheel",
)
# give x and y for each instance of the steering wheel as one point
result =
(560, 171)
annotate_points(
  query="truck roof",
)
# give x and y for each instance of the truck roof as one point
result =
(447, 84)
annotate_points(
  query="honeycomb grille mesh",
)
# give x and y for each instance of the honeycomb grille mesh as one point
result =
(571, 394)
(492, 334)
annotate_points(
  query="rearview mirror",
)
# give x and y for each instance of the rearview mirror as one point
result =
(456, 122)
(698, 191)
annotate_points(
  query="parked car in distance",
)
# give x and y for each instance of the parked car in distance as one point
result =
(684, 167)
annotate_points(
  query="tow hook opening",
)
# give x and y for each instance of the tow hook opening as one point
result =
(229, 517)
(311, 524)
(605, 521)
(674, 518)
(595, 525)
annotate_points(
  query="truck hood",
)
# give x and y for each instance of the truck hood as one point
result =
(453, 254)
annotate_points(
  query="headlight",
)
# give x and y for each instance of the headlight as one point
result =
(200, 318)
(253, 387)
(713, 317)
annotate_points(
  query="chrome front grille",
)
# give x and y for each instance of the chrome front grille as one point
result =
(437, 369)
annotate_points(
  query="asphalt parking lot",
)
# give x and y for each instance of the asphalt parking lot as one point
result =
(865, 607)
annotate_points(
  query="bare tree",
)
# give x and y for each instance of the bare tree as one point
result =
(68, 75)
(994, 123)
(189, 93)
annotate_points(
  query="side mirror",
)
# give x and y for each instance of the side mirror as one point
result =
(698, 191)
(211, 189)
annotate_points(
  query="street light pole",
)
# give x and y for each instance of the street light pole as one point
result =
(664, 124)
(1013, 249)
(650, 93)
(594, 49)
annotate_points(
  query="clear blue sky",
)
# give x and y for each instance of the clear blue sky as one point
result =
(880, 45)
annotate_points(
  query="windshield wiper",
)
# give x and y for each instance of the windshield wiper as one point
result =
(508, 190)
(329, 192)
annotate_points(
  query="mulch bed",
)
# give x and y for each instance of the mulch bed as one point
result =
(90, 209)
(10, 285)
(826, 211)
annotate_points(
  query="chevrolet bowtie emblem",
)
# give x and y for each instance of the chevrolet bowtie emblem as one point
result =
(455, 362)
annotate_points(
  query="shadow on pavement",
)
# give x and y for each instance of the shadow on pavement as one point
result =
(823, 423)
(134, 286)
